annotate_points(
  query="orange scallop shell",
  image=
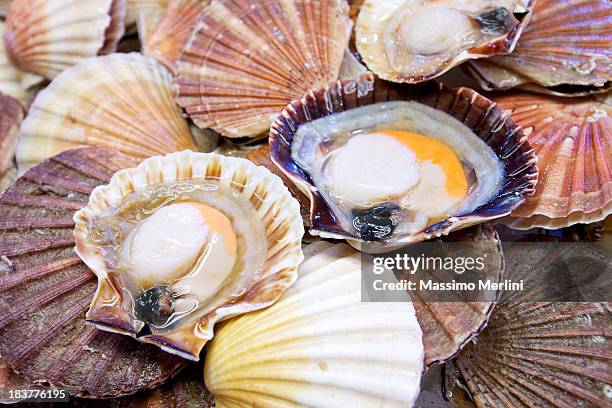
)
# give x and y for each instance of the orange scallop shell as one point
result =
(573, 141)
(246, 61)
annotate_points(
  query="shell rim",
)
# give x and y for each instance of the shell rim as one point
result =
(93, 261)
(285, 126)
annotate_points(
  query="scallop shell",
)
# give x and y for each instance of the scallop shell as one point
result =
(246, 61)
(566, 43)
(47, 36)
(373, 20)
(14, 82)
(45, 289)
(279, 213)
(116, 29)
(319, 345)
(11, 115)
(536, 353)
(146, 24)
(135, 7)
(173, 31)
(573, 141)
(475, 111)
(123, 101)
(449, 326)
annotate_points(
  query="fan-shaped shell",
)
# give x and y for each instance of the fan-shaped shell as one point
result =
(47, 36)
(13, 81)
(449, 326)
(573, 141)
(11, 115)
(246, 61)
(373, 28)
(45, 289)
(319, 345)
(123, 101)
(274, 205)
(535, 352)
(478, 113)
(166, 41)
(567, 42)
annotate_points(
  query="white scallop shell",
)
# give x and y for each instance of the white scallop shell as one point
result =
(123, 101)
(319, 345)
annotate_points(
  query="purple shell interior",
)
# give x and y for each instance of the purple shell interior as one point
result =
(478, 113)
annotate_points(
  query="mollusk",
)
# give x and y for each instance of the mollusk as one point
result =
(116, 28)
(123, 101)
(573, 141)
(319, 345)
(11, 115)
(416, 40)
(406, 144)
(47, 36)
(183, 241)
(566, 48)
(536, 351)
(246, 61)
(166, 41)
(45, 289)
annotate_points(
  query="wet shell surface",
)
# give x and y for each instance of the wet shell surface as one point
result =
(535, 352)
(13, 81)
(449, 326)
(47, 36)
(246, 61)
(319, 345)
(416, 40)
(479, 118)
(11, 115)
(45, 289)
(166, 41)
(573, 141)
(175, 305)
(566, 47)
(123, 101)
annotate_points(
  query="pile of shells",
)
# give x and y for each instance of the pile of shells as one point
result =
(191, 192)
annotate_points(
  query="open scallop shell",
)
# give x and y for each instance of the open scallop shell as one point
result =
(573, 141)
(123, 101)
(275, 207)
(375, 20)
(11, 115)
(45, 289)
(13, 81)
(47, 36)
(566, 43)
(319, 345)
(475, 111)
(166, 41)
(246, 61)
(535, 352)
